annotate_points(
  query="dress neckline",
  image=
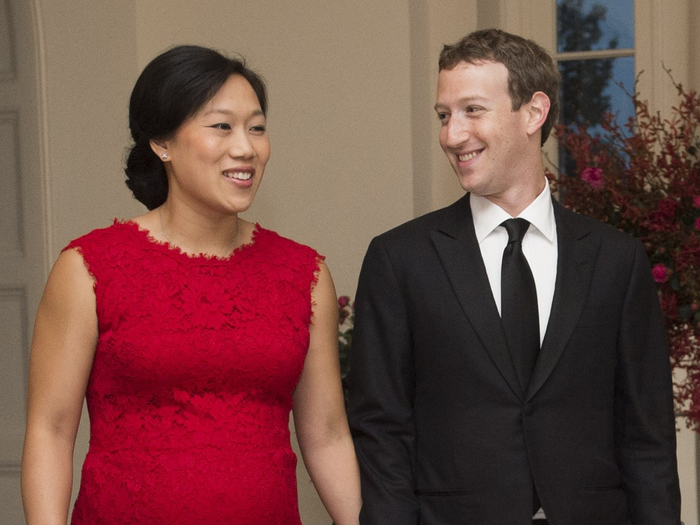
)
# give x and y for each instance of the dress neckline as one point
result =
(171, 248)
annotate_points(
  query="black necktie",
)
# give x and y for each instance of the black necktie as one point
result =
(519, 303)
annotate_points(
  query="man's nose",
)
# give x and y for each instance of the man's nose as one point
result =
(457, 132)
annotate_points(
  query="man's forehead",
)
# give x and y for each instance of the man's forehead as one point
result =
(469, 80)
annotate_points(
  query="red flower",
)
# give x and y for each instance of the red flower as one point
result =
(343, 301)
(593, 176)
(660, 273)
(697, 223)
(696, 201)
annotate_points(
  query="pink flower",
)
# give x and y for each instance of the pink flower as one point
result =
(343, 301)
(696, 201)
(660, 273)
(593, 176)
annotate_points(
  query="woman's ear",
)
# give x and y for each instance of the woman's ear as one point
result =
(537, 111)
(160, 148)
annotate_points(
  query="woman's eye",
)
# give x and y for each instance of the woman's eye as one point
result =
(222, 125)
(258, 129)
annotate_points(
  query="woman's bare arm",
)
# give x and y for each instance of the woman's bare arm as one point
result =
(63, 346)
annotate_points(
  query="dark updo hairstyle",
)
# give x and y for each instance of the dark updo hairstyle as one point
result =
(171, 89)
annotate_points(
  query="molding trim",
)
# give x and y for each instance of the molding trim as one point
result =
(10, 117)
(601, 53)
(8, 71)
(43, 126)
(10, 468)
(19, 294)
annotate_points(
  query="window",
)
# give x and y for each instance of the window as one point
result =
(658, 37)
(595, 54)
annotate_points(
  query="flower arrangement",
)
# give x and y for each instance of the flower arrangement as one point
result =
(643, 177)
(346, 321)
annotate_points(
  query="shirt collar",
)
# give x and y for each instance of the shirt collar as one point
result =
(488, 216)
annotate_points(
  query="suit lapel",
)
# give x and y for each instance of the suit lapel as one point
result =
(577, 253)
(459, 253)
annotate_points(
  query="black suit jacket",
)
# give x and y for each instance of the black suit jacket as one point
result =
(443, 431)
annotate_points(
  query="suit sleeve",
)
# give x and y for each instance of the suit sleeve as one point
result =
(381, 394)
(645, 424)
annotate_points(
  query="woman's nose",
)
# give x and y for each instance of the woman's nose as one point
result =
(240, 146)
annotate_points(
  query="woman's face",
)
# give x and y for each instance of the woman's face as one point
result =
(216, 159)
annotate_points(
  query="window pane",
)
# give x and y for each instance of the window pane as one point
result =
(589, 88)
(585, 25)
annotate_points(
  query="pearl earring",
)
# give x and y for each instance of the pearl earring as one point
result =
(164, 156)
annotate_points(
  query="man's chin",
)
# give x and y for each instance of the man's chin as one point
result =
(467, 182)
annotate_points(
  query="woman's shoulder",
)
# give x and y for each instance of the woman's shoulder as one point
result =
(288, 261)
(272, 240)
(104, 237)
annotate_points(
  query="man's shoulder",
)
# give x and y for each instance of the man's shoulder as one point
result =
(418, 229)
(582, 225)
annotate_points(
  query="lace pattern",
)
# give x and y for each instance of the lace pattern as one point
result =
(192, 380)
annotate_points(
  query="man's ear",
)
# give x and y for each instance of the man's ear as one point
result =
(160, 148)
(537, 110)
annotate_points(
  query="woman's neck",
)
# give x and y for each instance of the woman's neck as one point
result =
(195, 233)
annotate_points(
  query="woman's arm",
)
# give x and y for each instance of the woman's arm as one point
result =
(319, 413)
(63, 346)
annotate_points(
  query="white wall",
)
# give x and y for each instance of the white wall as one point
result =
(90, 67)
(339, 119)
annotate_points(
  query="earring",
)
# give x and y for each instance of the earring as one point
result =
(164, 156)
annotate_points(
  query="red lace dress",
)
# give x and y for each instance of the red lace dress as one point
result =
(191, 385)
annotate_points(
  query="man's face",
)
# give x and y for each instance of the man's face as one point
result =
(486, 142)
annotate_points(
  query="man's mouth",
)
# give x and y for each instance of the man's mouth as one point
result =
(468, 156)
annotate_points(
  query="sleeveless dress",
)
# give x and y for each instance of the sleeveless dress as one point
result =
(191, 385)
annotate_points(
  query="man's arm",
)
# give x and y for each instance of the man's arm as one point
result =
(381, 394)
(645, 426)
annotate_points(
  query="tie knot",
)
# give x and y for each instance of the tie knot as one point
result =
(516, 229)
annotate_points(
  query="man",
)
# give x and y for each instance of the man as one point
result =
(515, 372)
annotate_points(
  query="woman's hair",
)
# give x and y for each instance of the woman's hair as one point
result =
(530, 68)
(171, 89)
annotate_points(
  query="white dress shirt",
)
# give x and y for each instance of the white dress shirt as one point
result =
(539, 247)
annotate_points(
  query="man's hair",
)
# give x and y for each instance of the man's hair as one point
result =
(530, 68)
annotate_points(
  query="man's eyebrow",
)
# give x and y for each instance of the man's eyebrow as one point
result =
(462, 101)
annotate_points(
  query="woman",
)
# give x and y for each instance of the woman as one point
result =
(191, 332)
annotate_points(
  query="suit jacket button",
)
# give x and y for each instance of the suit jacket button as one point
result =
(529, 409)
